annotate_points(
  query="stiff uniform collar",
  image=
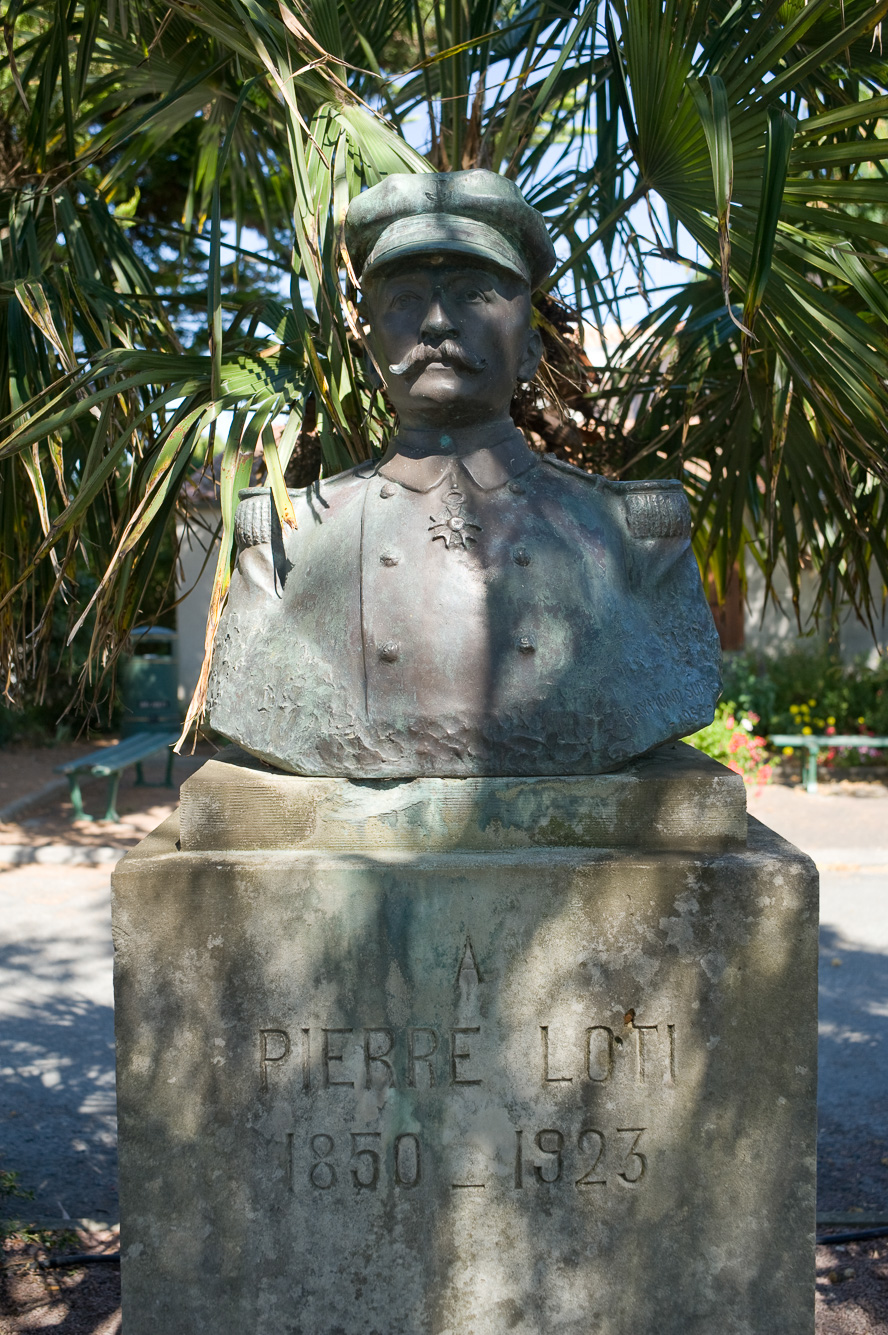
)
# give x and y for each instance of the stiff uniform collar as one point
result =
(489, 467)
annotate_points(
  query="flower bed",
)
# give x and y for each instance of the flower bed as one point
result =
(733, 739)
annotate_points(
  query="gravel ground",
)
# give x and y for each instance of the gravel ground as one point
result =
(76, 1300)
(852, 1289)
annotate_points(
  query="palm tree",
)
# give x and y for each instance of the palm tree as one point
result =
(739, 147)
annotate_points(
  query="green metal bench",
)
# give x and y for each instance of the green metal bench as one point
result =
(110, 761)
(815, 744)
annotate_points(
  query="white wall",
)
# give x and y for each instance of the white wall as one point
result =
(778, 630)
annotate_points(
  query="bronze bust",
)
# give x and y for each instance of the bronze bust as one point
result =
(465, 606)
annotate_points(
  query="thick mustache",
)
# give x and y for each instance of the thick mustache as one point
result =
(447, 351)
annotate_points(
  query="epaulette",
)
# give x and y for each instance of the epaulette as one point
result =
(252, 519)
(655, 509)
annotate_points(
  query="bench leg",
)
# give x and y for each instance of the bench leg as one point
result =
(141, 781)
(76, 798)
(113, 785)
(811, 771)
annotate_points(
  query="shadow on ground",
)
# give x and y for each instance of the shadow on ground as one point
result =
(57, 1102)
(853, 1086)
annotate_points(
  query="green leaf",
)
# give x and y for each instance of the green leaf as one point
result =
(778, 146)
(716, 121)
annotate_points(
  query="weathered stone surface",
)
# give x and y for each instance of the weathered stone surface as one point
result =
(542, 1090)
(675, 798)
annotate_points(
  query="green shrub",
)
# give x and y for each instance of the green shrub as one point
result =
(811, 691)
(732, 739)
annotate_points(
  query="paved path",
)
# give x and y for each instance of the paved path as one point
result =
(57, 1108)
(57, 1111)
(853, 1084)
(847, 834)
(56, 1018)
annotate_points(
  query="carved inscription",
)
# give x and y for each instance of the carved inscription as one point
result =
(421, 1057)
(374, 1058)
(460, 1056)
(468, 975)
(361, 1162)
(564, 1150)
(274, 1046)
(597, 1154)
(652, 1047)
(551, 1156)
(422, 1044)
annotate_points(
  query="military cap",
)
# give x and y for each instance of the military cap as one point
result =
(463, 213)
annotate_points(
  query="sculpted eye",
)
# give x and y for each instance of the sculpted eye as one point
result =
(403, 300)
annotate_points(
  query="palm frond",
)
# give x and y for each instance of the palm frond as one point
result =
(745, 143)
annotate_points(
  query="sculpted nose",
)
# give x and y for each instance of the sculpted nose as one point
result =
(437, 323)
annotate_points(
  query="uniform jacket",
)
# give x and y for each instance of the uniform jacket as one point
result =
(495, 613)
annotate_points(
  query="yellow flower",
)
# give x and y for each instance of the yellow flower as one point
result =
(812, 703)
(807, 731)
(861, 719)
(793, 709)
(789, 750)
(831, 721)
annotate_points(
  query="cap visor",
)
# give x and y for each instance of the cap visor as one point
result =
(444, 234)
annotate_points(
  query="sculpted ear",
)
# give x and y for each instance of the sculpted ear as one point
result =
(533, 352)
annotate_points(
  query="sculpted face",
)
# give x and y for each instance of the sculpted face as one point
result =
(451, 339)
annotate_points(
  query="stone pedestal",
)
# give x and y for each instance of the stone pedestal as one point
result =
(466, 1057)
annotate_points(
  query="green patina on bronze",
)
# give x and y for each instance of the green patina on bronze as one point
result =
(466, 606)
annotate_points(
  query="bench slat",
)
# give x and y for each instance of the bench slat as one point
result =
(814, 743)
(820, 741)
(113, 758)
(110, 759)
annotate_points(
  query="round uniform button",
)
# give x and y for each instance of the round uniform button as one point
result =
(386, 490)
(456, 522)
(390, 651)
(521, 556)
(516, 489)
(389, 559)
(525, 644)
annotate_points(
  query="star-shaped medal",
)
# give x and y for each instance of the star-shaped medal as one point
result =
(454, 524)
